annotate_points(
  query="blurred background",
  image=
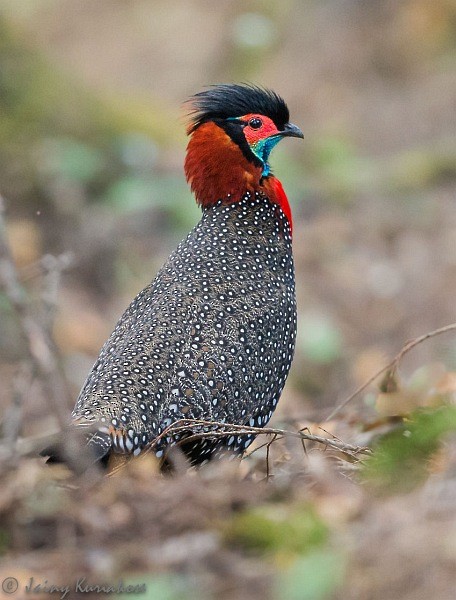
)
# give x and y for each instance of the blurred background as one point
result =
(92, 145)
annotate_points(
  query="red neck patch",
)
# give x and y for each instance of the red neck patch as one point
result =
(275, 192)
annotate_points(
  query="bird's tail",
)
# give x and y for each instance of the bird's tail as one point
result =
(79, 448)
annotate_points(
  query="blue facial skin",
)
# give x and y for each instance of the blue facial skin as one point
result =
(262, 150)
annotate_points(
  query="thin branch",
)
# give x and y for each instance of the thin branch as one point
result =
(268, 450)
(40, 349)
(222, 430)
(11, 425)
(422, 338)
(53, 267)
(391, 366)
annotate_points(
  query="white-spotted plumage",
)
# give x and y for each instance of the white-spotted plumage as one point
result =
(212, 337)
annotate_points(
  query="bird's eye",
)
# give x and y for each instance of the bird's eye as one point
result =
(255, 123)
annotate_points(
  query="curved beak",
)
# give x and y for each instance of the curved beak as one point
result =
(291, 130)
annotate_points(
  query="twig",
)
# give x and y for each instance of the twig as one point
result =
(53, 267)
(303, 441)
(268, 449)
(221, 430)
(392, 365)
(422, 338)
(39, 346)
(13, 414)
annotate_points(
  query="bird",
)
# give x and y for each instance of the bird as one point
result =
(212, 337)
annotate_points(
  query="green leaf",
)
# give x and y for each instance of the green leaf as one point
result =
(273, 529)
(400, 458)
(5, 541)
(312, 577)
(73, 160)
(319, 339)
(160, 587)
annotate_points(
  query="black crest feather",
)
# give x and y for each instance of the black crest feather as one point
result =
(226, 100)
